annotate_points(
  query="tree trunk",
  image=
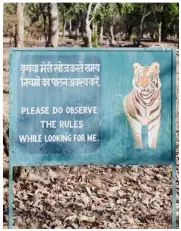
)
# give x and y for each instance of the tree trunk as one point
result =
(45, 25)
(55, 30)
(53, 25)
(50, 26)
(77, 27)
(95, 28)
(129, 30)
(88, 43)
(164, 31)
(77, 30)
(129, 33)
(70, 28)
(15, 36)
(112, 34)
(94, 35)
(64, 27)
(82, 25)
(101, 32)
(160, 32)
(141, 26)
(20, 24)
(140, 32)
(10, 40)
(88, 39)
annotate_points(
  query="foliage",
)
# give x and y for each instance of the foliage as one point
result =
(126, 18)
(9, 19)
(94, 39)
(169, 14)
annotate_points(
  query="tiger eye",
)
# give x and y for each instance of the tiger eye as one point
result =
(152, 76)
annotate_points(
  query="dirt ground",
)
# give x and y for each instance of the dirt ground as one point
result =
(88, 196)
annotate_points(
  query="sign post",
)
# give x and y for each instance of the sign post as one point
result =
(92, 106)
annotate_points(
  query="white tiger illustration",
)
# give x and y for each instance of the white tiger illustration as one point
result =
(143, 104)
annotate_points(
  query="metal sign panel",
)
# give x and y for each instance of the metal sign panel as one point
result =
(99, 106)
(92, 106)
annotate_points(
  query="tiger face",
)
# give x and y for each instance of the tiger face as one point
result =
(146, 79)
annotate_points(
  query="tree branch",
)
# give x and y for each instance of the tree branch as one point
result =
(94, 11)
(88, 13)
(147, 14)
(144, 16)
(89, 10)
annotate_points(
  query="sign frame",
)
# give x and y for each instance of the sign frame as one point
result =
(173, 119)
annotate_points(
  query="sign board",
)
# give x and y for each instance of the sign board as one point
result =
(92, 106)
(82, 106)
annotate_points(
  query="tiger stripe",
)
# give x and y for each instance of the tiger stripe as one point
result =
(143, 104)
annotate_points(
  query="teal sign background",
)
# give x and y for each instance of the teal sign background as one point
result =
(114, 139)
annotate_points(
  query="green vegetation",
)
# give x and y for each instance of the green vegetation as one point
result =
(94, 23)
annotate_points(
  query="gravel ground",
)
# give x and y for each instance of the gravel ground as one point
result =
(88, 196)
